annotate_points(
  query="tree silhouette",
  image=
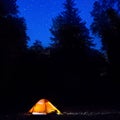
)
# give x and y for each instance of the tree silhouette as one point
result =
(37, 47)
(8, 7)
(13, 40)
(69, 31)
(74, 63)
(13, 29)
(106, 25)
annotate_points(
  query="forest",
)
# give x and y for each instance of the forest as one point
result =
(70, 71)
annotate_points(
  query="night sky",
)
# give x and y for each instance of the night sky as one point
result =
(39, 13)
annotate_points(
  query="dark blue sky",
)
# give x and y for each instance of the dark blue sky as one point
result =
(39, 13)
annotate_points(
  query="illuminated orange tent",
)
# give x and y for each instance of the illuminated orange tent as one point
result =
(43, 106)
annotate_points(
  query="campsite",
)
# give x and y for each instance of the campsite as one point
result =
(70, 78)
(45, 110)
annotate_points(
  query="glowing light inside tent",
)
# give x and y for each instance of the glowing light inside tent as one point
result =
(36, 113)
(44, 106)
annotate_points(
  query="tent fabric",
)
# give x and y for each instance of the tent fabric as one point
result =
(43, 106)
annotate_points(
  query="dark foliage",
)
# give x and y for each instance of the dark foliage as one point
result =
(13, 44)
(8, 7)
(106, 25)
(69, 72)
(68, 30)
(74, 64)
(37, 47)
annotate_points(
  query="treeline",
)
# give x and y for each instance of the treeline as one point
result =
(69, 71)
